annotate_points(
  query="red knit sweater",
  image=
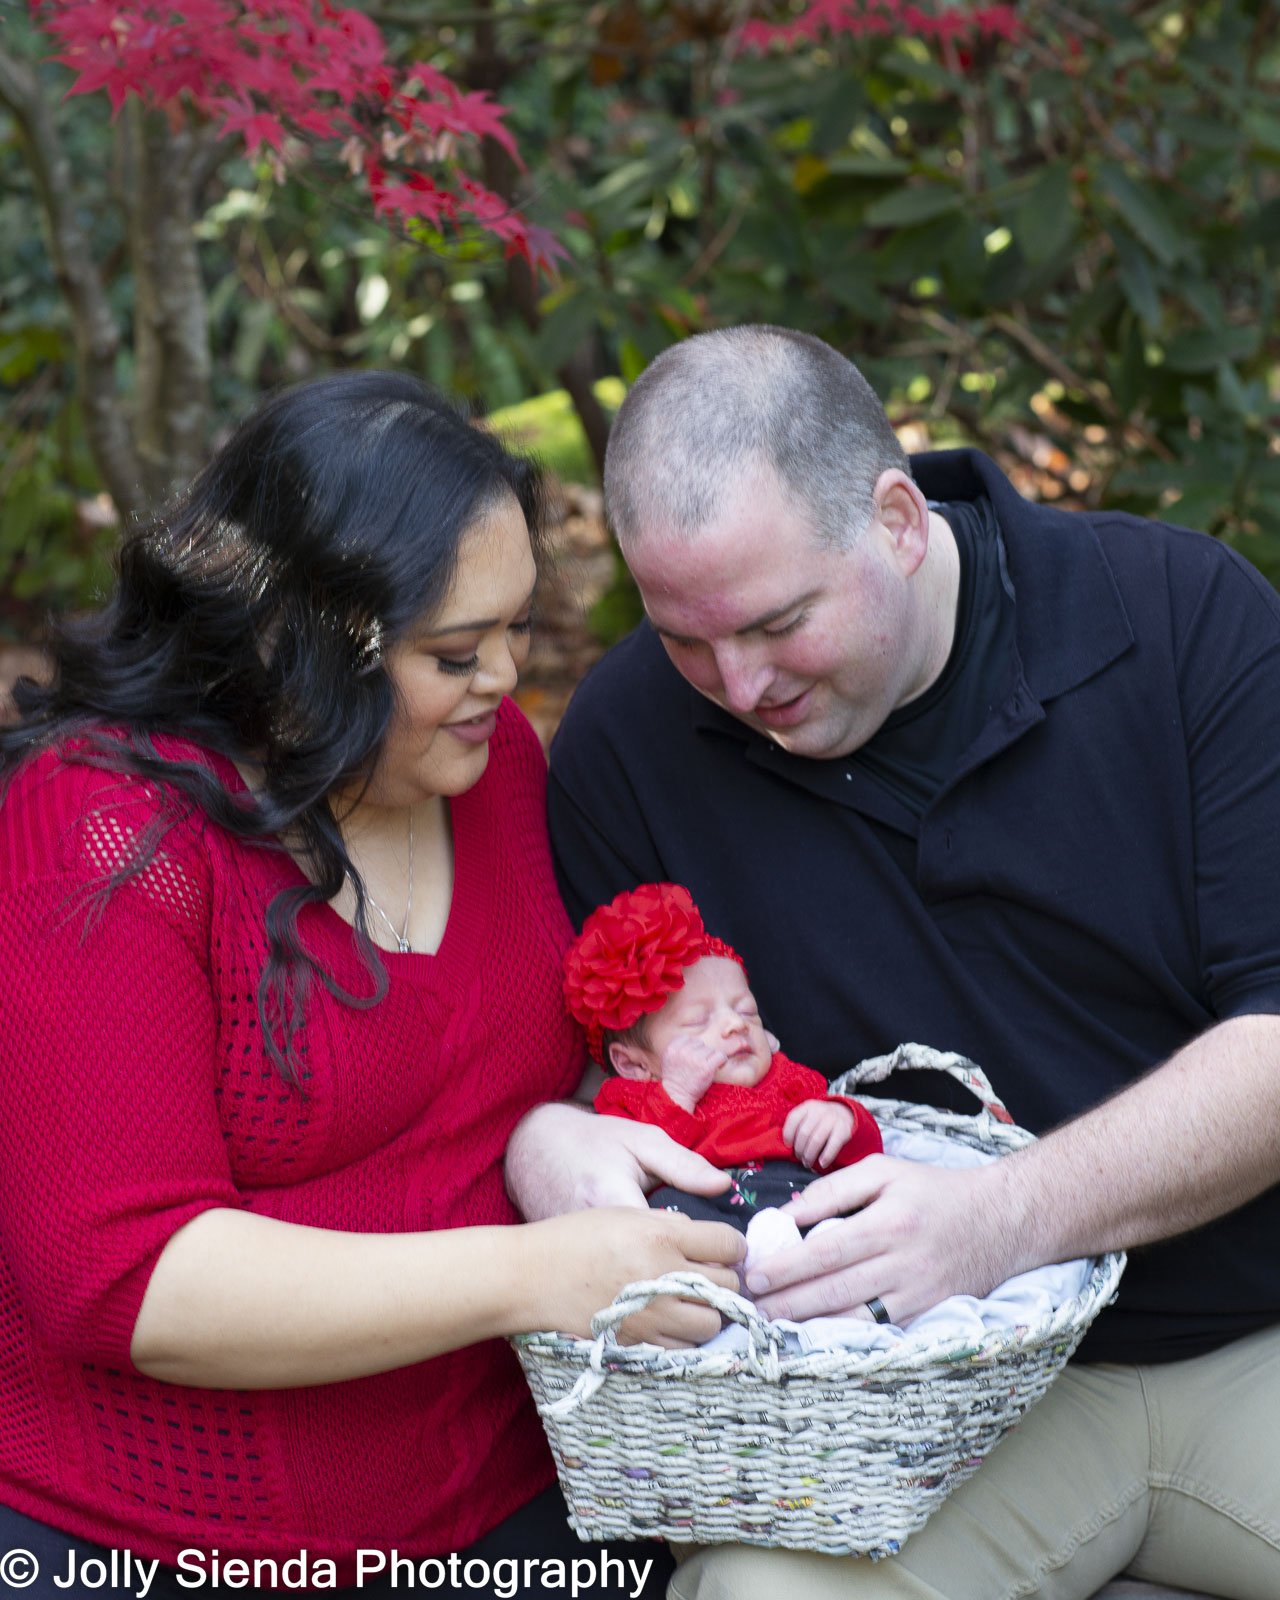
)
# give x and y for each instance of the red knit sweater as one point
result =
(733, 1124)
(135, 1093)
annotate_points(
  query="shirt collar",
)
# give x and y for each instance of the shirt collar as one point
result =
(1071, 622)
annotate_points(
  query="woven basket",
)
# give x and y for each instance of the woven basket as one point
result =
(843, 1452)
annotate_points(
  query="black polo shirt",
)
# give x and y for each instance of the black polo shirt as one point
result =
(1097, 881)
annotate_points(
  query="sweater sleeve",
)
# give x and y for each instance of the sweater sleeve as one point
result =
(649, 1102)
(798, 1084)
(109, 1134)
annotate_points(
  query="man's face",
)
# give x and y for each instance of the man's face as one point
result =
(810, 645)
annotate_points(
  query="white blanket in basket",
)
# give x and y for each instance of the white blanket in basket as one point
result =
(962, 1318)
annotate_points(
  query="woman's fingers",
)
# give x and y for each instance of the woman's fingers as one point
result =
(705, 1242)
(673, 1324)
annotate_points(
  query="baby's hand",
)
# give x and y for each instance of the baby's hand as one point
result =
(817, 1131)
(689, 1068)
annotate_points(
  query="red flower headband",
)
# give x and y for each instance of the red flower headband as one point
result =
(631, 955)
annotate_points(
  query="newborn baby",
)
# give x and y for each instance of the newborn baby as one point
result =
(669, 1009)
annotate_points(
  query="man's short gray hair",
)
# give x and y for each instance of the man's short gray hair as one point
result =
(715, 406)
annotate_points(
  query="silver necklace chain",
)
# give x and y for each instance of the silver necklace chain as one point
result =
(402, 937)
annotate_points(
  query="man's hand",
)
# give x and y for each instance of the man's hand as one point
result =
(919, 1234)
(817, 1131)
(562, 1158)
(689, 1068)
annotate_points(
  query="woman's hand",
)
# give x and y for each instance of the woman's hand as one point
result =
(562, 1158)
(577, 1263)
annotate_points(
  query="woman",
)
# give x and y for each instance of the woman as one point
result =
(280, 947)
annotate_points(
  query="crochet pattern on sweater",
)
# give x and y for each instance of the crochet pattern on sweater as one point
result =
(135, 1093)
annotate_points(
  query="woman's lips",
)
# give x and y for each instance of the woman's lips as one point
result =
(475, 730)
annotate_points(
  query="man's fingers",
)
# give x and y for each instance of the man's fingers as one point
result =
(838, 1193)
(841, 1294)
(831, 1250)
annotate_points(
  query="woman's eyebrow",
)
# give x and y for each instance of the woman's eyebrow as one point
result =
(479, 626)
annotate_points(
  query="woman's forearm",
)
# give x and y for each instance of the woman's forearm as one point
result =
(243, 1301)
(238, 1301)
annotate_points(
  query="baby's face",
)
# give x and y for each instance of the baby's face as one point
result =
(715, 1008)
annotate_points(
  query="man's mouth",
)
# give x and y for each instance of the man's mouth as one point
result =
(787, 713)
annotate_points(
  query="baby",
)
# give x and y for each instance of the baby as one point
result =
(668, 1007)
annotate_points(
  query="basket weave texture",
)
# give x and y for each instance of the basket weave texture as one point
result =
(839, 1451)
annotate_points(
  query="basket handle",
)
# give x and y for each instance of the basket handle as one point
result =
(765, 1339)
(921, 1056)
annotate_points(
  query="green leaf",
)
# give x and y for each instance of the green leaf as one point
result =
(919, 70)
(917, 203)
(1136, 280)
(865, 164)
(853, 286)
(631, 359)
(1144, 212)
(1205, 133)
(1202, 350)
(1263, 130)
(1046, 221)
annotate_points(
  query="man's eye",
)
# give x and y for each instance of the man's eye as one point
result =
(787, 627)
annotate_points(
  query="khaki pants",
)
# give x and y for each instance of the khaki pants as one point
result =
(1170, 1473)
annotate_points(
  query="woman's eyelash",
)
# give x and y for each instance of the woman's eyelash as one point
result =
(463, 669)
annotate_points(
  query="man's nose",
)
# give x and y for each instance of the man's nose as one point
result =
(744, 675)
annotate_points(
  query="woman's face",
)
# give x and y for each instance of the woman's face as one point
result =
(451, 671)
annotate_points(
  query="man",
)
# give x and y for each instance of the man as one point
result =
(947, 766)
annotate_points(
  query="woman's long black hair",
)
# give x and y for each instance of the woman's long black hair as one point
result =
(251, 616)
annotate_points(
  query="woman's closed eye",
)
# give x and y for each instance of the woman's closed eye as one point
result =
(465, 666)
(459, 668)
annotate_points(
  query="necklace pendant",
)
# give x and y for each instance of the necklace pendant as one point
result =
(406, 949)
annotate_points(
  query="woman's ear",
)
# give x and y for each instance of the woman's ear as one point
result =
(629, 1062)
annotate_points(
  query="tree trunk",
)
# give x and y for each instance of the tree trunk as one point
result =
(97, 334)
(489, 69)
(171, 314)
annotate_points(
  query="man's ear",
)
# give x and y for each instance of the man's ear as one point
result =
(630, 1063)
(903, 511)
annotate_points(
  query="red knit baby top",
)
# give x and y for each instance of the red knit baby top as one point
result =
(734, 1124)
(135, 1093)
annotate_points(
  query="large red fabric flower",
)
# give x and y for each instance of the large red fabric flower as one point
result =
(630, 955)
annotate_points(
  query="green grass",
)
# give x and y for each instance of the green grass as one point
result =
(547, 426)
